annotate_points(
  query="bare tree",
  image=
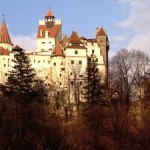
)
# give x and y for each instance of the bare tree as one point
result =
(76, 82)
(126, 69)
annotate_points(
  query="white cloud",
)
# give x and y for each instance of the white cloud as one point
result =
(139, 22)
(140, 42)
(25, 42)
(120, 38)
(123, 1)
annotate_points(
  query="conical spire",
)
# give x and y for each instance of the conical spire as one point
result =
(74, 38)
(101, 32)
(4, 34)
(49, 14)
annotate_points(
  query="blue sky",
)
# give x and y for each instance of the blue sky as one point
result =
(125, 21)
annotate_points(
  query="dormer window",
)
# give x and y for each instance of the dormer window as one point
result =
(75, 44)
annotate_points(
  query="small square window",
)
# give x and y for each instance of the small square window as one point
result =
(46, 77)
(54, 64)
(71, 82)
(4, 65)
(80, 82)
(76, 52)
(72, 61)
(96, 59)
(60, 75)
(5, 74)
(92, 51)
(80, 62)
(60, 83)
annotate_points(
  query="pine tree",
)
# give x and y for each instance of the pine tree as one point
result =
(20, 79)
(92, 89)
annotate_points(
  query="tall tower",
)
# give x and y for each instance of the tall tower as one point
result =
(5, 40)
(103, 43)
(49, 33)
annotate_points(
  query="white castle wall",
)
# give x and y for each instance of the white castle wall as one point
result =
(6, 46)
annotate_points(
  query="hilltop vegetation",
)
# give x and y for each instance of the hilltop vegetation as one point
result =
(112, 118)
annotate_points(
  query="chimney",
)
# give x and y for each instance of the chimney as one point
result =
(97, 30)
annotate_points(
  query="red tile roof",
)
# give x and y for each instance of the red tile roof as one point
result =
(52, 31)
(76, 47)
(83, 38)
(4, 51)
(101, 32)
(49, 14)
(74, 38)
(75, 42)
(4, 35)
(58, 51)
(92, 40)
(16, 48)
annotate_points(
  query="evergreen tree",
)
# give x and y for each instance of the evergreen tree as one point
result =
(20, 79)
(92, 88)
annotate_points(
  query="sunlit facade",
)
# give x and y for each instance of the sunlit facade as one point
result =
(58, 61)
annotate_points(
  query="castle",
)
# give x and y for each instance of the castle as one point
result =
(58, 60)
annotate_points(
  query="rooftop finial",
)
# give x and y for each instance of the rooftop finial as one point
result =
(73, 29)
(3, 17)
(50, 5)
